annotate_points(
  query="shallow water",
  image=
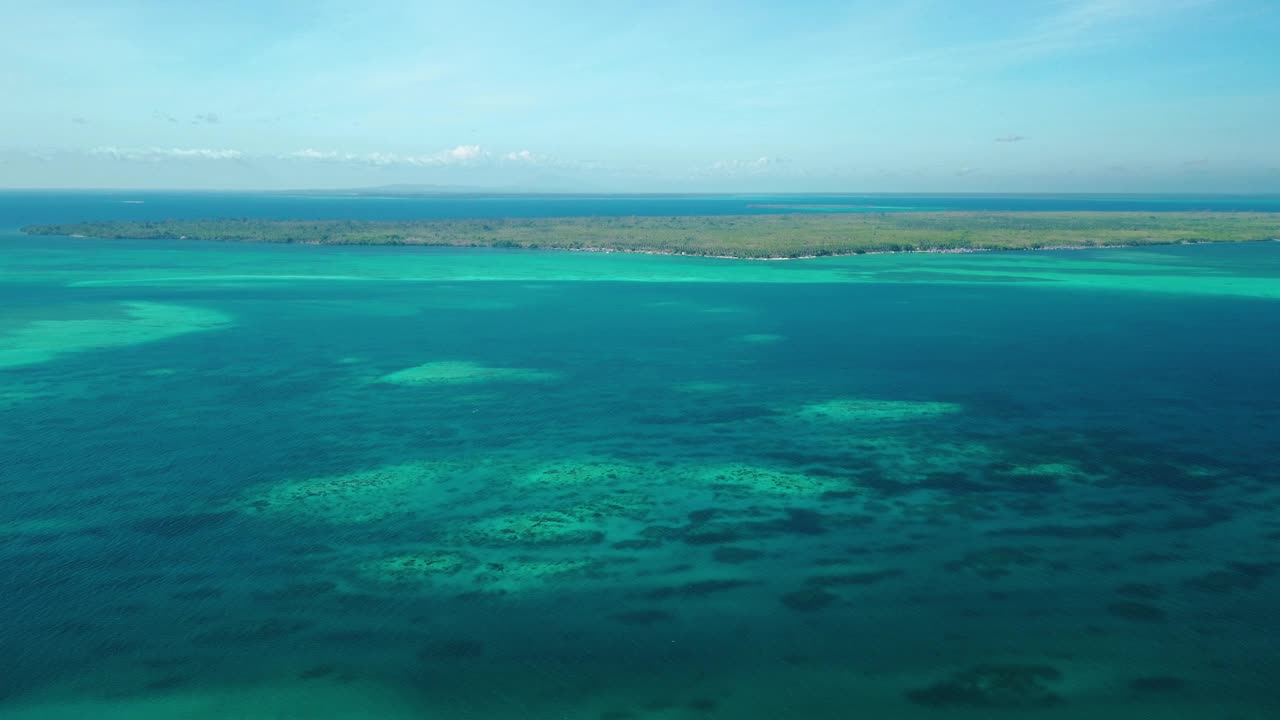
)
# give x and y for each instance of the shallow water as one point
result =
(306, 482)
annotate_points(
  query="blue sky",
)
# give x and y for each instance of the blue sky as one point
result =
(912, 95)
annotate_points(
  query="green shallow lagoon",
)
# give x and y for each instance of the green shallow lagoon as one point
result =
(316, 482)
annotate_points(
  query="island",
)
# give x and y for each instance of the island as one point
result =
(770, 236)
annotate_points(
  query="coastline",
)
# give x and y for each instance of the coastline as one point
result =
(728, 237)
(917, 251)
(678, 253)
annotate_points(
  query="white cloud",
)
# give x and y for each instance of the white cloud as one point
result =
(459, 155)
(463, 153)
(528, 157)
(309, 154)
(204, 154)
(758, 166)
(155, 154)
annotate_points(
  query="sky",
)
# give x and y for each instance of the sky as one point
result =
(901, 96)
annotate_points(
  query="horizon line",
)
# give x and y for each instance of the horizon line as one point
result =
(427, 192)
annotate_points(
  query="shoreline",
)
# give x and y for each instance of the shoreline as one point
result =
(728, 237)
(676, 253)
(917, 251)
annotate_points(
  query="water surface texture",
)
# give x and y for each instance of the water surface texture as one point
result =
(37, 206)
(342, 482)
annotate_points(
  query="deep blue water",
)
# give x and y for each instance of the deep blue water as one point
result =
(308, 482)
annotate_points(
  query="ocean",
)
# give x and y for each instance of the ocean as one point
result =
(259, 481)
(40, 206)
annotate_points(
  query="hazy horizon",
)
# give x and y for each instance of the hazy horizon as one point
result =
(410, 190)
(1094, 96)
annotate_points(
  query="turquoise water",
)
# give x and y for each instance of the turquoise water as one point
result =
(308, 482)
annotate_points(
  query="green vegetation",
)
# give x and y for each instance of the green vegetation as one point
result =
(741, 236)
